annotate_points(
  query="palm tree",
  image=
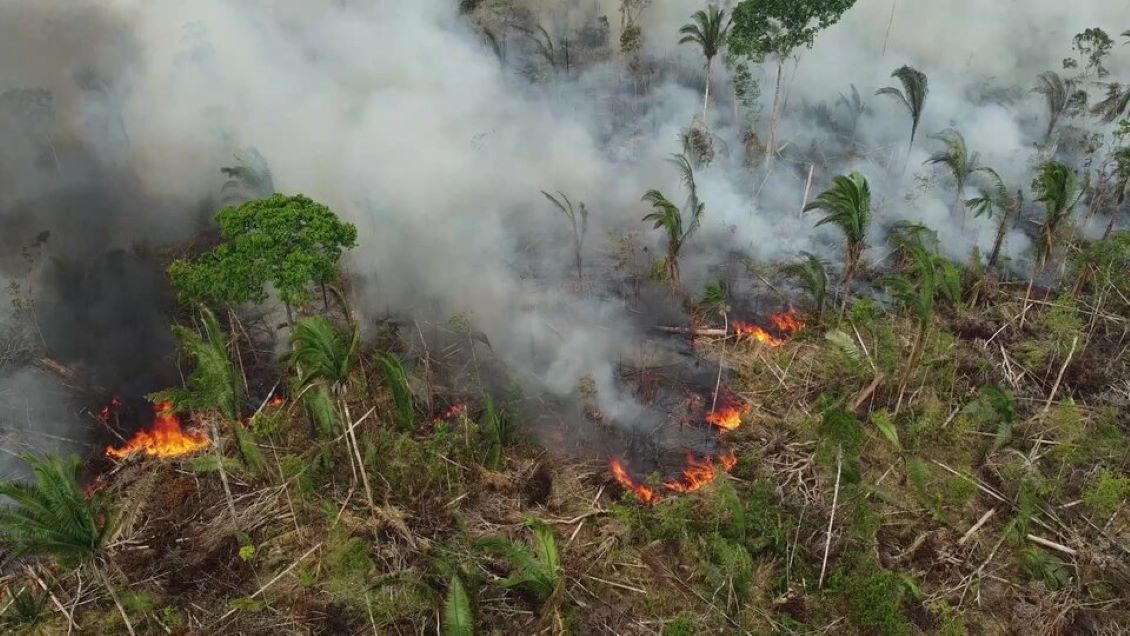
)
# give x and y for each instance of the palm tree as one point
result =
(995, 196)
(708, 29)
(915, 87)
(1057, 188)
(537, 571)
(323, 361)
(847, 204)
(668, 216)
(811, 274)
(855, 107)
(1057, 92)
(930, 276)
(53, 518)
(566, 207)
(956, 157)
(1116, 102)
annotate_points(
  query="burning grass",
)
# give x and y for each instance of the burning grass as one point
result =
(166, 437)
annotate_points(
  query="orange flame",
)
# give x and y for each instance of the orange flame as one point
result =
(728, 461)
(729, 416)
(277, 400)
(109, 410)
(753, 332)
(165, 439)
(696, 475)
(642, 492)
(787, 322)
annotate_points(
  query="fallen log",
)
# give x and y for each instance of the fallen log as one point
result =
(695, 331)
(51, 366)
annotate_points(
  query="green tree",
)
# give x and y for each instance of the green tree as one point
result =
(1092, 45)
(929, 277)
(538, 570)
(1057, 188)
(994, 198)
(915, 88)
(957, 158)
(847, 205)
(764, 29)
(708, 29)
(290, 242)
(53, 518)
(811, 273)
(855, 108)
(323, 360)
(1057, 93)
(566, 207)
(669, 217)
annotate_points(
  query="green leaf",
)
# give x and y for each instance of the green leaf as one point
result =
(458, 619)
(886, 426)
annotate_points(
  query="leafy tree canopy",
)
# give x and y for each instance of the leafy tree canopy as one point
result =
(287, 241)
(778, 27)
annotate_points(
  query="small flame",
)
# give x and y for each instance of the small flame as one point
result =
(697, 474)
(729, 416)
(277, 401)
(110, 410)
(94, 487)
(728, 461)
(456, 410)
(642, 492)
(787, 322)
(167, 438)
(753, 332)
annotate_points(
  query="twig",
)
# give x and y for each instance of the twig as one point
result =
(274, 580)
(868, 392)
(1052, 544)
(977, 526)
(694, 331)
(51, 595)
(832, 517)
(1059, 378)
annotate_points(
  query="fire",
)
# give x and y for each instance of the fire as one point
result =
(787, 322)
(696, 475)
(753, 332)
(642, 492)
(109, 410)
(277, 401)
(456, 411)
(729, 416)
(167, 438)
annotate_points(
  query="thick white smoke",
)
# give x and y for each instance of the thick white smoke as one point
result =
(401, 118)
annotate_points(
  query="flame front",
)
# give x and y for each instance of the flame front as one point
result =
(167, 438)
(696, 475)
(642, 492)
(787, 322)
(728, 417)
(753, 332)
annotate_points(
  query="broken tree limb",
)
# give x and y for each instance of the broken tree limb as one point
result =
(1052, 544)
(695, 331)
(977, 526)
(868, 392)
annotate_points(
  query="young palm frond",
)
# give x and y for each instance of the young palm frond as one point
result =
(915, 87)
(1115, 104)
(855, 107)
(213, 383)
(566, 207)
(811, 274)
(26, 611)
(458, 617)
(1057, 188)
(708, 29)
(397, 382)
(666, 215)
(694, 206)
(318, 349)
(1057, 93)
(538, 570)
(847, 205)
(51, 517)
(957, 158)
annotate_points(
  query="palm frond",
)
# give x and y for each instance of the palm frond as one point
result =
(811, 274)
(458, 618)
(397, 381)
(708, 28)
(52, 517)
(1115, 104)
(319, 350)
(847, 204)
(915, 88)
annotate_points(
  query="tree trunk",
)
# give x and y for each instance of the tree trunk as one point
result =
(850, 263)
(706, 92)
(673, 267)
(998, 242)
(771, 143)
(1109, 227)
(890, 23)
(98, 568)
(1051, 126)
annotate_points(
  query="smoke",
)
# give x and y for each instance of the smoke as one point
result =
(401, 117)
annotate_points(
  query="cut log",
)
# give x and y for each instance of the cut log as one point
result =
(51, 366)
(695, 331)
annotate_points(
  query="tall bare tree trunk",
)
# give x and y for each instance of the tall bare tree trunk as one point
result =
(771, 143)
(890, 23)
(706, 92)
(998, 242)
